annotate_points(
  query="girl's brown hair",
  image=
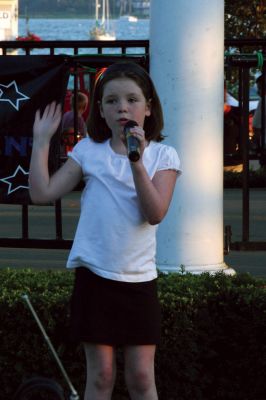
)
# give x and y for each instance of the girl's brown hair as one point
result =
(153, 125)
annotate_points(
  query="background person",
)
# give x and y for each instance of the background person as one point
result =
(257, 120)
(68, 122)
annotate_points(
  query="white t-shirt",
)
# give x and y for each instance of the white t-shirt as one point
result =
(113, 239)
(256, 123)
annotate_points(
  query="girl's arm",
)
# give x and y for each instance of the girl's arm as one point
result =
(44, 188)
(154, 195)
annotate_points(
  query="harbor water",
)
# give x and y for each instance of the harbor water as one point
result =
(78, 29)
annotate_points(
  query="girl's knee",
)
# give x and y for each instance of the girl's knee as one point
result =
(103, 379)
(101, 368)
(139, 371)
(140, 380)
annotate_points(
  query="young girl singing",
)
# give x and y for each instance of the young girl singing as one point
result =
(114, 301)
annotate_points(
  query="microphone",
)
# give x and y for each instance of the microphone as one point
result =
(133, 150)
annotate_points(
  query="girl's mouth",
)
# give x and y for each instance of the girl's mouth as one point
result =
(122, 121)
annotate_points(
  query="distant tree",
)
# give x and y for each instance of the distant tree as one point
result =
(245, 19)
(77, 7)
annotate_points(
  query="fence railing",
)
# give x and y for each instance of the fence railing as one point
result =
(95, 54)
(241, 57)
(90, 47)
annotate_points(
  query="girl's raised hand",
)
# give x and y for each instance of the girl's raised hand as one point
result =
(46, 125)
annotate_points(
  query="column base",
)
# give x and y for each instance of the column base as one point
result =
(198, 269)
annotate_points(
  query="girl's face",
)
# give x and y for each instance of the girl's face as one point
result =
(123, 100)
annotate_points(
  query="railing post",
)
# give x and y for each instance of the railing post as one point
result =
(25, 221)
(244, 105)
(58, 220)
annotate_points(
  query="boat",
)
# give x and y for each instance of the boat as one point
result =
(128, 18)
(101, 30)
(126, 12)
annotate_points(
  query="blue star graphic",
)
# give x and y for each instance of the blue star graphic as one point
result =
(14, 181)
(11, 94)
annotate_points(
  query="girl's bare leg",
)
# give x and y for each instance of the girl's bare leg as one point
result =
(101, 371)
(139, 372)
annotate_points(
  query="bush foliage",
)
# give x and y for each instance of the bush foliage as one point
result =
(257, 179)
(213, 343)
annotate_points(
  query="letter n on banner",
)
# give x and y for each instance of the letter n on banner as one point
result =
(27, 83)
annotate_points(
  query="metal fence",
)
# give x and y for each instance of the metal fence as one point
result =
(87, 57)
(242, 57)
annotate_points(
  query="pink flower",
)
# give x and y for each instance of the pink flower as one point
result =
(30, 36)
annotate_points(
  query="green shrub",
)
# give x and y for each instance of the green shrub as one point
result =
(214, 344)
(257, 179)
(213, 335)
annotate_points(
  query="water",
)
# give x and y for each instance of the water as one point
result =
(78, 29)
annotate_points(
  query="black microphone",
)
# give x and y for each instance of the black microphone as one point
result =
(133, 150)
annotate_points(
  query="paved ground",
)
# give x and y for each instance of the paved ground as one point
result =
(253, 262)
(247, 261)
(42, 225)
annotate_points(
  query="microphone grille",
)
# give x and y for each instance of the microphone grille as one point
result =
(130, 124)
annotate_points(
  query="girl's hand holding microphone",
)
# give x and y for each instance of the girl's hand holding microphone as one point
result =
(134, 140)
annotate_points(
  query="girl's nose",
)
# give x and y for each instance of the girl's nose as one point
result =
(122, 106)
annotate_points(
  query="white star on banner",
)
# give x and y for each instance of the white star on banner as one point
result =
(11, 94)
(8, 180)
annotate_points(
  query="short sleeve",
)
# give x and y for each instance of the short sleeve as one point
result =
(169, 160)
(256, 123)
(76, 153)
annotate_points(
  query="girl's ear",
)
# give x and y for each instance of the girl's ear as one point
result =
(101, 109)
(148, 108)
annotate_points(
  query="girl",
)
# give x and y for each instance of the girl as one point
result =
(114, 300)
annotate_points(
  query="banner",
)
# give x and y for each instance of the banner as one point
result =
(27, 83)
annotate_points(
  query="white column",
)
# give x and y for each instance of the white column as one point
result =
(187, 48)
(8, 19)
(8, 22)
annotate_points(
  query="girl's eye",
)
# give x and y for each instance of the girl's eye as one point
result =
(132, 100)
(110, 101)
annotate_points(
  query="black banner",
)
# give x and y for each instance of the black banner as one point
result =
(27, 83)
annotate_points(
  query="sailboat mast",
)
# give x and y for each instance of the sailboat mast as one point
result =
(96, 11)
(103, 11)
(107, 14)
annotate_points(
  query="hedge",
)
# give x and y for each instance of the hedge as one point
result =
(257, 179)
(213, 335)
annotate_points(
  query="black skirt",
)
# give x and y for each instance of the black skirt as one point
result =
(111, 312)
